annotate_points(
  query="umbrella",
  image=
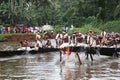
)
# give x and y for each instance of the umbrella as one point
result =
(6, 25)
(47, 27)
(20, 25)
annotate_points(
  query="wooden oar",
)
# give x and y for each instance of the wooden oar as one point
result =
(89, 52)
(60, 55)
(78, 58)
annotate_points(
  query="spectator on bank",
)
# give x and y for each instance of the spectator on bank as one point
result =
(8, 29)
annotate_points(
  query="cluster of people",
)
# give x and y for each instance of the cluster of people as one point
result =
(62, 39)
(18, 29)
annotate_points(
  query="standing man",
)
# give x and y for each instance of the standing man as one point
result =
(103, 35)
(58, 39)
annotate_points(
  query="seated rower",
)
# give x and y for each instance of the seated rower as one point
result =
(48, 44)
(24, 45)
(36, 46)
(21, 44)
(58, 39)
(38, 43)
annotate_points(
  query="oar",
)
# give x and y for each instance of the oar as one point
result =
(60, 55)
(115, 53)
(78, 58)
(89, 53)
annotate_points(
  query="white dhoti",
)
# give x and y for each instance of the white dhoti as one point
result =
(44, 42)
(64, 45)
(24, 48)
(82, 44)
(53, 43)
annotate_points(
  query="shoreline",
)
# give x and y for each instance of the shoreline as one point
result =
(17, 37)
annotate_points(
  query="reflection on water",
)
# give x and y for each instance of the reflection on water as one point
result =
(47, 67)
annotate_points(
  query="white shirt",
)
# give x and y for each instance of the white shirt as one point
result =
(39, 43)
(59, 36)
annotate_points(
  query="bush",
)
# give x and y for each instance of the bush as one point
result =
(85, 29)
(111, 26)
(91, 20)
(57, 28)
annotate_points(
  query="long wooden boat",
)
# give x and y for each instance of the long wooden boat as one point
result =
(110, 51)
(10, 53)
(93, 50)
(44, 50)
(102, 50)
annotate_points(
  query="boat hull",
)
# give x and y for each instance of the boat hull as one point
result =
(11, 53)
(23, 52)
(109, 51)
(94, 50)
(90, 50)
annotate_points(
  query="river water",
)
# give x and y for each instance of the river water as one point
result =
(46, 66)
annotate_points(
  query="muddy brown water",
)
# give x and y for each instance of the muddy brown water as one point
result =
(46, 66)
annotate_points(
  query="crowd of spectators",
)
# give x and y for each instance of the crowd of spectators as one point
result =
(18, 29)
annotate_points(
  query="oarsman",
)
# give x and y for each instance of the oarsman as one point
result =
(24, 45)
(87, 37)
(52, 39)
(45, 37)
(65, 39)
(110, 40)
(91, 43)
(36, 46)
(73, 39)
(113, 40)
(38, 41)
(64, 48)
(48, 44)
(52, 35)
(79, 40)
(91, 40)
(58, 39)
(117, 35)
(103, 35)
(98, 40)
(21, 46)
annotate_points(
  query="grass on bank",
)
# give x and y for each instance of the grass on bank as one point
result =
(111, 26)
(85, 29)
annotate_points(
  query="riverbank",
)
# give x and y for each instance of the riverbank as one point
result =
(16, 37)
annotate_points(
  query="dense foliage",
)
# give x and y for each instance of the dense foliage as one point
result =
(96, 13)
